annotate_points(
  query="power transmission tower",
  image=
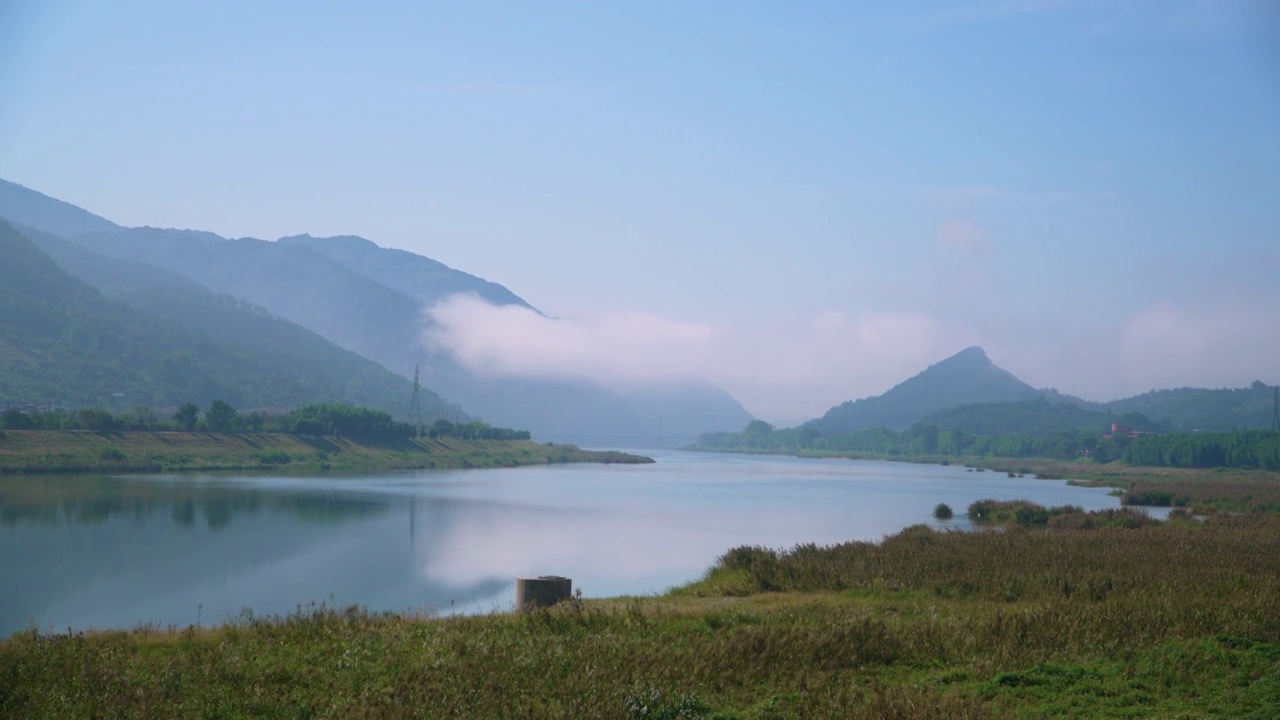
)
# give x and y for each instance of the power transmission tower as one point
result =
(415, 403)
(1275, 409)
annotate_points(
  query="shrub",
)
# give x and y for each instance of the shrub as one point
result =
(111, 454)
(274, 457)
(1017, 512)
(943, 511)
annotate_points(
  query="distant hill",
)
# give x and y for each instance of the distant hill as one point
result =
(675, 415)
(966, 378)
(166, 342)
(969, 392)
(1189, 409)
(371, 300)
(1160, 411)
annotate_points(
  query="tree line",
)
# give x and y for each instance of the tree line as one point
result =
(313, 419)
(1249, 449)
(1246, 449)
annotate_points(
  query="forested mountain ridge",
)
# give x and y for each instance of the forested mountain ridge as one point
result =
(966, 378)
(109, 275)
(1190, 409)
(64, 342)
(1178, 410)
(1040, 417)
(376, 307)
(356, 312)
(292, 281)
(336, 372)
(1027, 418)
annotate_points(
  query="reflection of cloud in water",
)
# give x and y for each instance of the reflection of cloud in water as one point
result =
(604, 547)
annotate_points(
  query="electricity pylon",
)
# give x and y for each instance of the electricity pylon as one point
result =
(415, 403)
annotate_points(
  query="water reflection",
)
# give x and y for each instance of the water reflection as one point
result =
(89, 500)
(110, 552)
(121, 551)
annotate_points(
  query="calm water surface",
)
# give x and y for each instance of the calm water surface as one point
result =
(121, 551)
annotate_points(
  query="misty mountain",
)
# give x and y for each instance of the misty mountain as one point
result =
(969, 392)
(28, 207)
(160, 341)
(414, 275)
(372, 300)
(291, 281)
(675, 415)
(966, 378)
(112, 276)
(357, 312)
(307, 287)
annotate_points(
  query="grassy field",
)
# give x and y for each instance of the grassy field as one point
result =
(40, 451)
(1179, 619)
(1224, 489)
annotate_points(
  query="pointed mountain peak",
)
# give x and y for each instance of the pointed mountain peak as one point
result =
(973, 352)
(965, 378)
(972, 359)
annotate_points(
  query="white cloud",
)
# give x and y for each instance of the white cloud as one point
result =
(791, 368)
(1218, 342)
(514, 341)
(1222, 345)
(783, 368)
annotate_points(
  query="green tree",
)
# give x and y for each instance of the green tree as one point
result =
(15, 419)
(929, 439)
(755, 432)
(220, 416)
(807, 435)
(187, 416)
(96, 419)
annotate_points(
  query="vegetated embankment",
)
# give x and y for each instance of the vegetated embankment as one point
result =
(39, 451)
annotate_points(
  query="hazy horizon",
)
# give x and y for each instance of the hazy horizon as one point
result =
(800, 205)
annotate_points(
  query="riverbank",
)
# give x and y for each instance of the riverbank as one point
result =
(1170, 619)
(63, 451)
(1198, 489)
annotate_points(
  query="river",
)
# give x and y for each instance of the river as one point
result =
(80, 552)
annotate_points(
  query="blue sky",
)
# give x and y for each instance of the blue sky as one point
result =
(804, 204)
